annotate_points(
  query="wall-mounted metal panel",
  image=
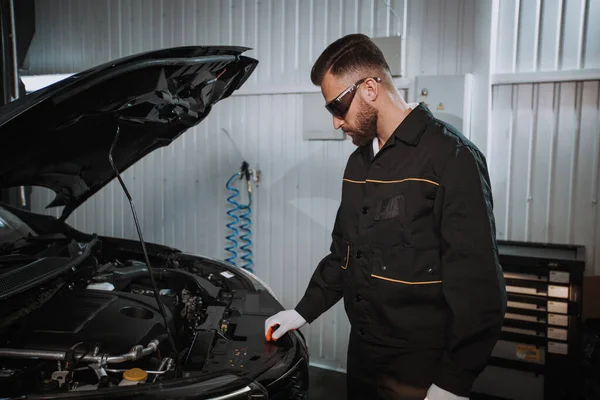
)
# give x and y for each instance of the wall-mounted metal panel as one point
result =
(440, 37)
(549, 35)
(545, 164)
(180, 191)
(286, 35)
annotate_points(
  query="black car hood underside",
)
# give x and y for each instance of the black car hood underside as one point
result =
(59, 137)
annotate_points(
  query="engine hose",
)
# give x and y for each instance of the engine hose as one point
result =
(235, 220)
(137, 352)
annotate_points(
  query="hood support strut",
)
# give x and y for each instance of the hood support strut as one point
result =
(161, 306)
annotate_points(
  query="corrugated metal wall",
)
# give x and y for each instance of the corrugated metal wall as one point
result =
(180, 191)
(545, 163)
(548, 35)
(286, 35)
(546, 136)
(549, 130)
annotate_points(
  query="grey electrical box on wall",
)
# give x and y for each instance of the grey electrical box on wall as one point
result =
(390, 46)
(448, 97)
(317, 122)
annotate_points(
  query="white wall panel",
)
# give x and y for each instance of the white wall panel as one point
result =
(180, 191)
(440, 37)
(286, 35)
(549, 35)
(544, 164)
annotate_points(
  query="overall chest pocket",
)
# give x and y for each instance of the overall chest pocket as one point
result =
(410, 217)
(392, 220)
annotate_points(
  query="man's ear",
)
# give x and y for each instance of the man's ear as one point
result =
(371, 89)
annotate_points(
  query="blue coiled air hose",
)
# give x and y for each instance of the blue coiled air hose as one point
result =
(235, 220)
(246, 217)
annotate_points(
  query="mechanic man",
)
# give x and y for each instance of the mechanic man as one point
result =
(414, 252)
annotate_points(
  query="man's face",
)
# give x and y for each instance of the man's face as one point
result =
(360, 121)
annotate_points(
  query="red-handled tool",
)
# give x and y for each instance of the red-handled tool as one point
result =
(269, 335)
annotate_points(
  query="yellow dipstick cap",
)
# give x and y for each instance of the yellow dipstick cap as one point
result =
(135, 374)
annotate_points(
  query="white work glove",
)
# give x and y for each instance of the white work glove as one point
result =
(287, 320)
(437, 393)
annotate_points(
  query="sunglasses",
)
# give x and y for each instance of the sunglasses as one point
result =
(339, 106)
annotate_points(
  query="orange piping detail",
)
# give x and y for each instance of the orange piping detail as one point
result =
(388, 182)
(347, 258)
(405, 282)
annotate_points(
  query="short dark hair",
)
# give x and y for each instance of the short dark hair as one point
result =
(348, 54)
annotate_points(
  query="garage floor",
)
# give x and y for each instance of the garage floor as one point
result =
(326, 384)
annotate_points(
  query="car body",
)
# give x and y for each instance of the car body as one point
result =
(79, 316)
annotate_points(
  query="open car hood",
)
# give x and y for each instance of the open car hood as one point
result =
(59, 137)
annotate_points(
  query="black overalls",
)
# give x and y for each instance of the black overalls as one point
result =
(414, 257)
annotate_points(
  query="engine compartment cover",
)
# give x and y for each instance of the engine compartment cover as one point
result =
(114, 320)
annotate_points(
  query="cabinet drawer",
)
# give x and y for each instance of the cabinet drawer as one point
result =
(558, 320)
(558, 307)
(560, 276)
(557, 333)
(558, 348)
(561, 292)
(519, 352)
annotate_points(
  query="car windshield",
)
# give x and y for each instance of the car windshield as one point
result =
(12, 228)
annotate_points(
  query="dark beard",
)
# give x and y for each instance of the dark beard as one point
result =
(367, 125)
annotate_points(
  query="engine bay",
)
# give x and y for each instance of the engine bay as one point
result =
(98, 325)
(94, 316)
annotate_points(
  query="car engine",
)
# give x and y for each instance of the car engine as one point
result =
(102, 328)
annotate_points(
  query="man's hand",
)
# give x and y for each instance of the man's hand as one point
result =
(437, 393)
(282, 322)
